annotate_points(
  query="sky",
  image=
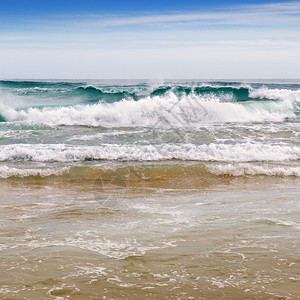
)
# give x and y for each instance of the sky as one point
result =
(149, 39)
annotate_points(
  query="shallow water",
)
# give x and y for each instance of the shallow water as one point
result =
(60, 241)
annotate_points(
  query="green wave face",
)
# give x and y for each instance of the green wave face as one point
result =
(92, 94)
(2, 119)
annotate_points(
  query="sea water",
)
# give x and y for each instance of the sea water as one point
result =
(146, 189)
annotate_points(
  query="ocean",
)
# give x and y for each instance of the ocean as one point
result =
(139, 189)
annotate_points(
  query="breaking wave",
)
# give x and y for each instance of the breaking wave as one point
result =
(167, 110)
(144, 105)
(240, 152)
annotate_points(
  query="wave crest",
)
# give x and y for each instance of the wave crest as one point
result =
(169, 111)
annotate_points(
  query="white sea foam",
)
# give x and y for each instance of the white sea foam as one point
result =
(275, 94)
(6, 172)
(242, 169)
(240, 152)
(119, 249)
(165, 110)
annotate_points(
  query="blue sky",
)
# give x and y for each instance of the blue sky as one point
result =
(34, 8)
(149, 39)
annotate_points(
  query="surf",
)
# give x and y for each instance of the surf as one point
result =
(167, 110)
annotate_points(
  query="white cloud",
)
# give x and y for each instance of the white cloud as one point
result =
(277, 13)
